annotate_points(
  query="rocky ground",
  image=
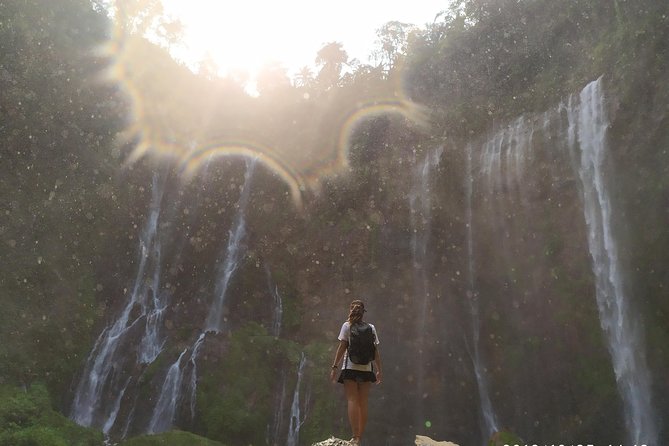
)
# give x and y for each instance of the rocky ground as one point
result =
(332, 441)
(420, 441)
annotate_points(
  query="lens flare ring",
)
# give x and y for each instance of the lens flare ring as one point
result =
(173, 116)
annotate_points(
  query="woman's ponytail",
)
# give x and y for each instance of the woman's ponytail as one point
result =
(356, 313)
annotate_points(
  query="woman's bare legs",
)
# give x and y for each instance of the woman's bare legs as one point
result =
(363, 397)
(351, 388)
(357, 395)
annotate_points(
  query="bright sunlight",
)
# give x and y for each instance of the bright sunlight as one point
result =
(245, 36)
(239, 36)
(180, 115)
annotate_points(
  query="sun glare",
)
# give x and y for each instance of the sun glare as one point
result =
(174, 115)
(244, 36)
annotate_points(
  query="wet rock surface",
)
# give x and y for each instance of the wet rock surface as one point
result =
(332, 441)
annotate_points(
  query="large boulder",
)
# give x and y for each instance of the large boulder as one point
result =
(421, 440)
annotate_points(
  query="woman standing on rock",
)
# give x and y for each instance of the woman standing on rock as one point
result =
(358, 347)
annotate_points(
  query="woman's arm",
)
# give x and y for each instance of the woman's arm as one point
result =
(341, 348)
(377, 366)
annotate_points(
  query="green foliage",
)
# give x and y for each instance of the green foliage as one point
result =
(487, 61)
(237, 395)
(291, 316)
(173, 438)
(504, 438)
(234, 397)
(37, 436)
(323, 401)
(52, 182)
(20, 409)
(27, 419)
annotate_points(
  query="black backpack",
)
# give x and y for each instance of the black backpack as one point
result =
(361, 348)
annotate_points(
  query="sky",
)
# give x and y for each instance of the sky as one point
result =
(244, 35)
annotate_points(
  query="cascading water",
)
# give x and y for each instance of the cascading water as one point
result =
(115, 409)
(618, 322)
(192, 383)
(296, 419)
(277, 422)
(152, 342)
(176, 384)
(171, 392)
(505, 155)
(108, 358)
(420, 207)
(584, 135)
(500, 169)
(163, 414)
(277, 315)
(274, 428)
(488, 417)
(503, 158)
(233, 254)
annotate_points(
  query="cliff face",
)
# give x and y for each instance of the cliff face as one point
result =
(498, 297)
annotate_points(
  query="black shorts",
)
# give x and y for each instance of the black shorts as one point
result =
(357, 376)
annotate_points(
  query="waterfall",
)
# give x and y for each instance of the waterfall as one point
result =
(152, 342)
(489, 419)
(584, 135)
(503, 159)
(192, 383)
(232, 257)
(107, 360)
(175, 384)
(620, 325)
(164, 413)
(129, 418)
(505, 155)
(277, 315)
(273, 433)
(115, 408)
(296, 420)
(420, 207)
(165, 410)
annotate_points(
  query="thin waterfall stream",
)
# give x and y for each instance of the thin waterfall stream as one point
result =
(488, 417)
(296, 420)
(277, 314)
(420, 207)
